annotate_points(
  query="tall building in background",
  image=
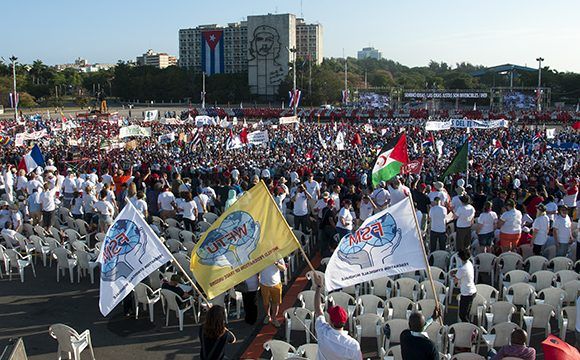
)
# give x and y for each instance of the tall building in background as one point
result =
(258, 46)
(158, 60)
(309, 41)
(369, 53)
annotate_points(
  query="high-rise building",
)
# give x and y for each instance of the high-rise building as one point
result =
(307, 41)
(259, 46)
(158, 60)
(369, 53)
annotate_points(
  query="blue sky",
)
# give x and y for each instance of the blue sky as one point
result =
(412, 32)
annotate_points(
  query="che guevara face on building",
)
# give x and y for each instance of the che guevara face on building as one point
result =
(266, 42)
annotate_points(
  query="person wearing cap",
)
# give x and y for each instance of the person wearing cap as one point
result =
(415, 342)
(334, 343)
(381, 196)
(540, 228)
(455, 202)
(562, 229)
(439, 191)
(465, 214)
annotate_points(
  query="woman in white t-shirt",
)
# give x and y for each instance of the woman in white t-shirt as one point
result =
(465, 277)
(345, 219)
(510, 227)
(190, 212)
(562, 228)
(541, 227)
(486, 226)
(366, 208)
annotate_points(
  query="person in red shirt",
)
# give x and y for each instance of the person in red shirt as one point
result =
(121, 178)
(532, 201)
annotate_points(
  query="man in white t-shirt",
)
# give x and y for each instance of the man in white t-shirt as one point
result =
(455, 202)
(438, 234)
(166, 203)
(300, 200)
(312, 187)
(271, 289)
(562, 228)
(439, 192)
(465, 214)
(397, 191)
(541, 227)
(366, 208)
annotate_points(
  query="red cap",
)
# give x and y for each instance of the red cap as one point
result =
(338, 315)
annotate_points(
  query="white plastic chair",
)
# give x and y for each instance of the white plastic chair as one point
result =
(309, 351)
(399, 308)
(64, 261)
(147, 297)
(185, 235)
(382, 287)
(567, 321)
(571, 288)
(85, 264)
(407, 287)
(462, 334)
(369, 325)
(502, 332)
(520, 294)
(560, 263)
(19, 262)
(543, 279)
(509, 261)
(565, 276)
(173, 245)
(172, 300)
(210, 217)
(299, 319)
(396, 326)
(540, 315)
(70, 341)
(371, 304)
(552, 296)
(4, 259)
(171, 222)
(306, 299)
(468, 356)
(173, 232)
(485, 263)
(489, 293)
(499, 312)
(535, 263)
(280, 350)
(41, 248)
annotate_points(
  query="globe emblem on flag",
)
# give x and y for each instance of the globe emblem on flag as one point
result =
(377, 239)
(232, 243)
(122, 243)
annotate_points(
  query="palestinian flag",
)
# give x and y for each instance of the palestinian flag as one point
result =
(459, 162)
(393, 157)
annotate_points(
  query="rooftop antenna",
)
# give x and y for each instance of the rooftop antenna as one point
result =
(301, 10)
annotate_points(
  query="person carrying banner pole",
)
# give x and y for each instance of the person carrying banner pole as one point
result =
(427, 267)
(201, 295)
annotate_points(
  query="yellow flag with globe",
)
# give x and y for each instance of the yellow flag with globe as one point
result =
(248, 237)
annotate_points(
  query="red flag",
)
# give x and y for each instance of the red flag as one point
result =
(243, 136)
(576, 125)
(413, 167)
(356, 140)
(309, 155)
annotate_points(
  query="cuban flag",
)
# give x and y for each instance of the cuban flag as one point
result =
(497, 146)
(212, 52)
(31, 160)
(428, 142)
(294, 98)
(537, 137)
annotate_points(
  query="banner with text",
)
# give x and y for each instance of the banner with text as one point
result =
(134, 130)
(258, 137)
(465, 123)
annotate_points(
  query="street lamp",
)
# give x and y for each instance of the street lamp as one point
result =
(539, 95)
(14, 94)
(292, 51)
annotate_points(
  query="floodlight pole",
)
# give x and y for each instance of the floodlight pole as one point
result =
(14, 94)
(539, 94)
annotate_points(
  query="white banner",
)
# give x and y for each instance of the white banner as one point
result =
(465, 123)
(20, 138)
(171, 121)
(130, 252)
(289, 120)
(550, 133)
(204, 120)
(234, 143)
(258, 137)
(134, 130)
(151, 115)
(339, 142)
(166, 138)
(386, 244)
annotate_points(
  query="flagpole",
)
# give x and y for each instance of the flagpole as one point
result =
(189, 279)
(290, 229)
(427, 267)
(467, 171)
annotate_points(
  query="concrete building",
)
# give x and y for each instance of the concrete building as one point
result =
(258, 46)
(235, 48)
(369, 53)
(158, 60)
(82, 65)
(309, 41)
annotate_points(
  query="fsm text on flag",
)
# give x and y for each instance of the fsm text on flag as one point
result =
(386, 244)
(130, 252)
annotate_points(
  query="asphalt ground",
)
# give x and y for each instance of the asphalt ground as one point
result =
(28, 309)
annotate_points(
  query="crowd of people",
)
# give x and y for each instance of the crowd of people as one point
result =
(522, 191)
